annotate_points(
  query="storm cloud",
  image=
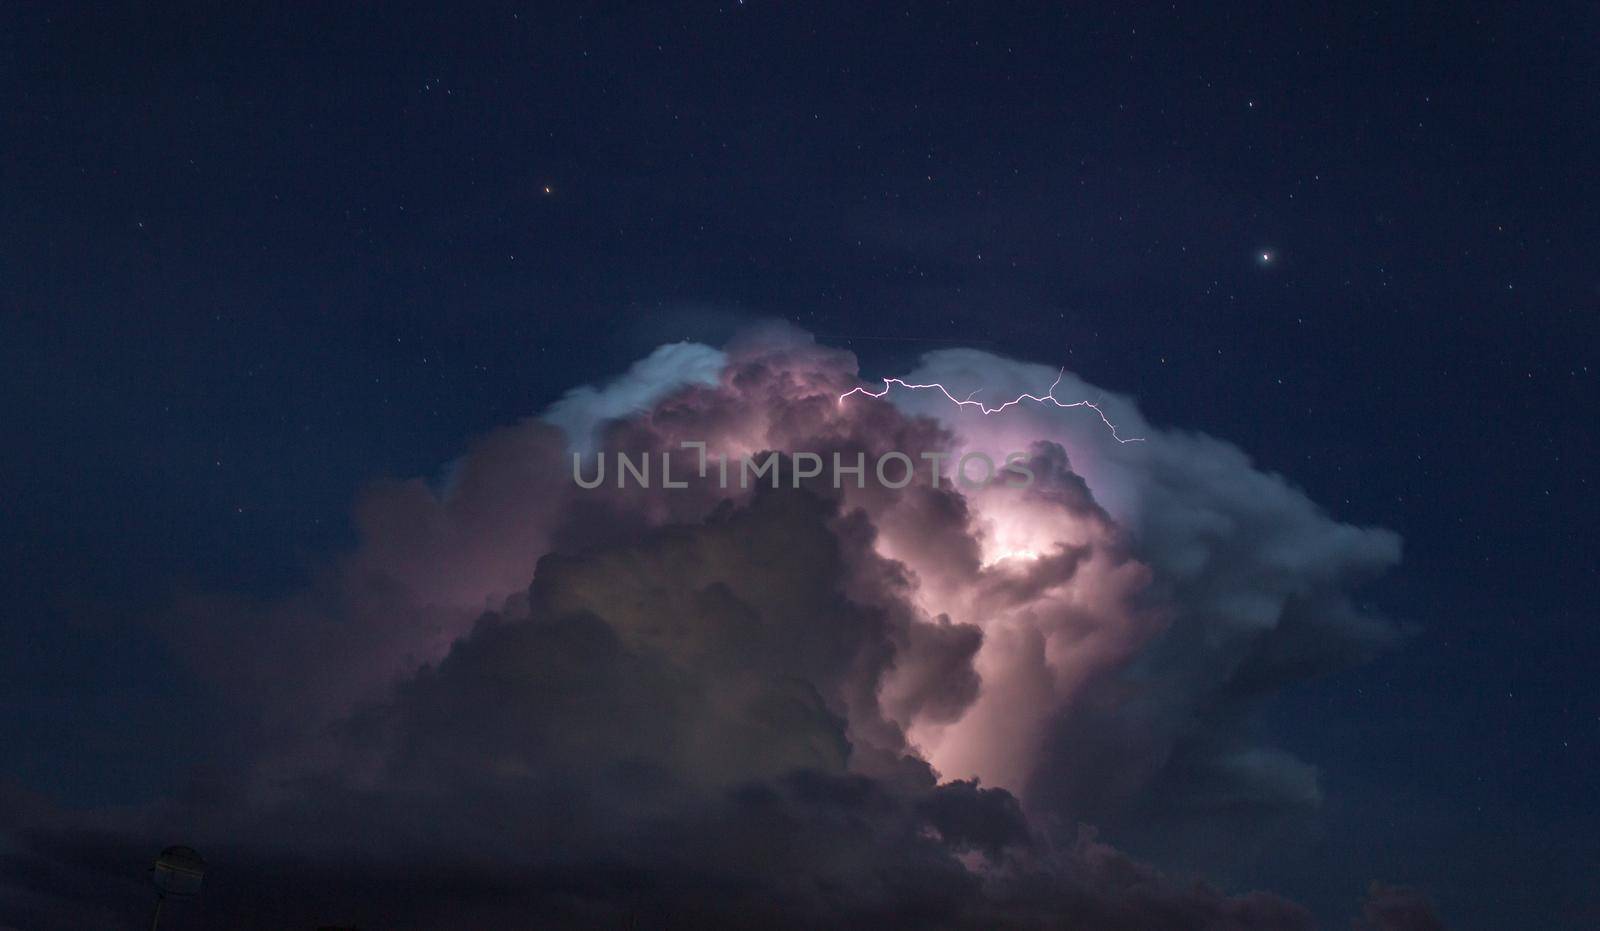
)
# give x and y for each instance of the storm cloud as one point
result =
(521, 701)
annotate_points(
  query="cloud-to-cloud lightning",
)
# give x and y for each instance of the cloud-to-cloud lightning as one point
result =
(1049, 397)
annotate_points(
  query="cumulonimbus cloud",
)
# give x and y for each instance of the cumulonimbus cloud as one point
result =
(799, 706)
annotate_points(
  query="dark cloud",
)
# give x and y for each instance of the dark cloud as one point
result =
(1397, 908)
(684, 726)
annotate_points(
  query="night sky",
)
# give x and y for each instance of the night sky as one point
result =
(254, 258)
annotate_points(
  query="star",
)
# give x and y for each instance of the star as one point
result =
(1266, 257)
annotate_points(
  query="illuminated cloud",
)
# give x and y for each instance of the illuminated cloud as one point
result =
(795, 707)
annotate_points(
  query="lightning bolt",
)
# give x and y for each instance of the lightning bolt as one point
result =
(1049, 397)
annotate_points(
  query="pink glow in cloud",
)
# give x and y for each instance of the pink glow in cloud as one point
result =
(1079, 647)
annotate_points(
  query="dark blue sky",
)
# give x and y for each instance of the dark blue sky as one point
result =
(252, 257)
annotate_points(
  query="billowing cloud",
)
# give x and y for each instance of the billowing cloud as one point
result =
(821, 704)
(581, 412)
